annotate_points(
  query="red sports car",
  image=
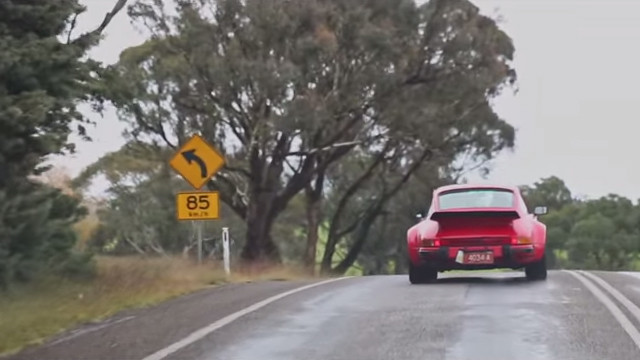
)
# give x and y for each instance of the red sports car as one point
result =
(472, 227)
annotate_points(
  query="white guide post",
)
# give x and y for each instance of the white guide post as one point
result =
(225, 250)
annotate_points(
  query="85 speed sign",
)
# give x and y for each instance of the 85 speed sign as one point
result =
(198, 205)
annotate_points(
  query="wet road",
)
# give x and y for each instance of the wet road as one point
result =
(572, 315)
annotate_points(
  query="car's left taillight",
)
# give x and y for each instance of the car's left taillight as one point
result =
(429, 242)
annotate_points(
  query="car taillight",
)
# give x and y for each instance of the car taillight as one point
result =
(520, 240)
(429, 242)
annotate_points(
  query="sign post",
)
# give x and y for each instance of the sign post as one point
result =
(199, 242)
(197, 162)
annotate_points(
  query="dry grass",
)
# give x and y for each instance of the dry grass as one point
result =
(85, 229)
(37, 311)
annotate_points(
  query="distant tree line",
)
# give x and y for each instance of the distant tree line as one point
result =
(601, 233)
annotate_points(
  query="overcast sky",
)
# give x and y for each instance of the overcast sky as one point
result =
(576, 111)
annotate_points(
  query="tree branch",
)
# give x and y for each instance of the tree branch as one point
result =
(361, 238)
(364, 222)
(86, 39)
(334, 233)
(296, 183)
(135, 246)
(326, 148)
(364, 225)
(229, 194)
(351, 190)
(72, 27)
(239, 170)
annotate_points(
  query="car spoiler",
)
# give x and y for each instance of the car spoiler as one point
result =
(474, 213)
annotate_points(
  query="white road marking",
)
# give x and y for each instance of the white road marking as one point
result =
(202, 332)
(77, 333)
(622, 319)
(633, 308)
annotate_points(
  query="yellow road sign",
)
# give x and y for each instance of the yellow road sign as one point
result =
(198, 205)
(197, 161)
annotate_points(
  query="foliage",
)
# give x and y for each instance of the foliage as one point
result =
(550, 192)
(385, 250)
(429, 124)
(42, 79)
(36, 231)
(599, 233)
(595, 234)
(138, 215)
(287, 91)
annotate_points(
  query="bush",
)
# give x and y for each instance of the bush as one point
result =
(36, 231)
(79, 265)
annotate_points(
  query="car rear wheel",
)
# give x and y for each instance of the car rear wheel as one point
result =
(537, 271)
(422, 274)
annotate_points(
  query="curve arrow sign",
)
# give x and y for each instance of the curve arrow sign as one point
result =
(190, 156)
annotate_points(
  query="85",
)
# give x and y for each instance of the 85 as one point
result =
(198, 202)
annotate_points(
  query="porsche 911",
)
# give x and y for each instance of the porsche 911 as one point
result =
(474, 227)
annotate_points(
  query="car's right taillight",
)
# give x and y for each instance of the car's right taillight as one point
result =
(521, 240)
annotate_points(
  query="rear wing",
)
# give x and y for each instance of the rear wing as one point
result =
(474, 213)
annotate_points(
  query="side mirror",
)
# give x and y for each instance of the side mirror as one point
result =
(540, 210)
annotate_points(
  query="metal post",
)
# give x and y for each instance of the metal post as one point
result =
(199, 225)
(225, 250)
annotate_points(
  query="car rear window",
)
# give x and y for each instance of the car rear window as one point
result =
(476, 198)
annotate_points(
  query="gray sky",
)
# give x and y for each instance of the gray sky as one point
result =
(577, 63)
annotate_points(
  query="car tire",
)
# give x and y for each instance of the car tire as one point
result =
(421, 274)
(537, 270)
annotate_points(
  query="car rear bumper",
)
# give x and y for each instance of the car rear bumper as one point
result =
(505, 256)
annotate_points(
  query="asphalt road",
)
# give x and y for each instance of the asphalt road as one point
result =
(573, 315)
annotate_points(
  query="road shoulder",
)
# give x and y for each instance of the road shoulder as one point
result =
(136, 333)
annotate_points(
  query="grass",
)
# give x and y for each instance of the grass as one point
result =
(34, 312)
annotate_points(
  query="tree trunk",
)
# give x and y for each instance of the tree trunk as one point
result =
(263, 208)
(313, 222)
(400, 256)
(335, 235)
(400, 259)
(360, 239)
(327, 257)
(314, 216)
(259, 246)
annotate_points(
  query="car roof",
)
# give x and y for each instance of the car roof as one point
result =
(476, 186)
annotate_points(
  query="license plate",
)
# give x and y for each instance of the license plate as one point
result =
(484, 257)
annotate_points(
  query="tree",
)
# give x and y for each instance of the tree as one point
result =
(437, 121)
(551, 192)
(42, 79)
(593, 234)
(385, 248)
(595, 243)
(560, 223)
(138, 215)
(285, 89)
(606, 234)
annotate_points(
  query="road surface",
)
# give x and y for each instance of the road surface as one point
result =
(573, 315)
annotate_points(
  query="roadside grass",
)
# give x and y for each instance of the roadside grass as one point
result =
(34, 312)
